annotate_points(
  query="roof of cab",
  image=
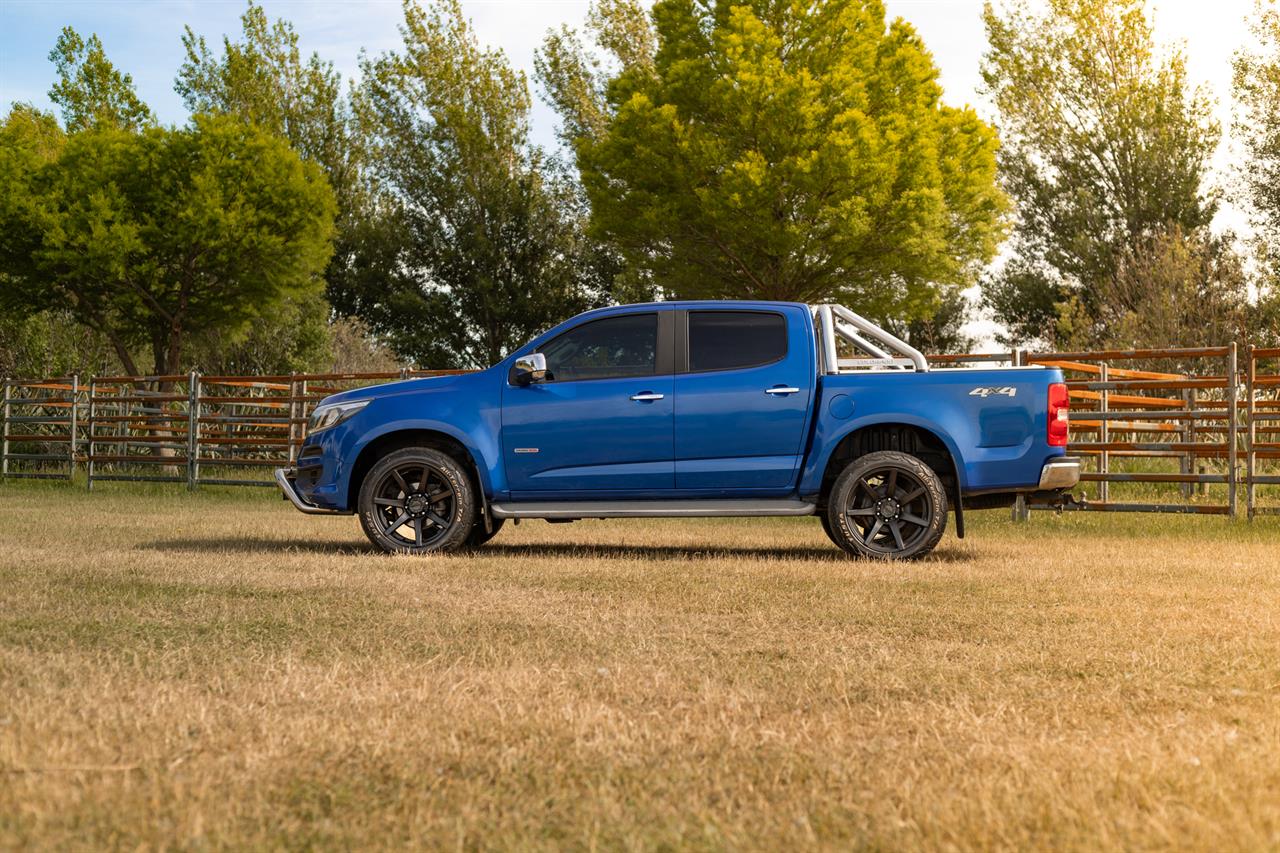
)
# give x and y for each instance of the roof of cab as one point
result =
(698, 304)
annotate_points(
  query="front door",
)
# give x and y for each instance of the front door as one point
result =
(742, 407)
(602, 422)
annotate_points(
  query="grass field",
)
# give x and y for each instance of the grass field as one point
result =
(217, 671)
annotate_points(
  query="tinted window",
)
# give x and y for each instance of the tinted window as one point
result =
(604, 349)
(721, 340)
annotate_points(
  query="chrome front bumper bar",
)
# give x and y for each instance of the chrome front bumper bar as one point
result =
(286, 485)
(1061, 473)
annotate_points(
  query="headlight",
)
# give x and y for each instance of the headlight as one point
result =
(331, 414)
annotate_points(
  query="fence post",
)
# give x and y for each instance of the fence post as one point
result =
(302, 410)
(1104, 435)
(71, 443)
(1021, 512)
(4, 433)
(1233, 425)
(90, 449)
(193, 430)
(1187, 433)
(293, 417)
(1250, 436)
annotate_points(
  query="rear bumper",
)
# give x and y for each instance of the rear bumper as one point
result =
(1061, 473)
(284, 479)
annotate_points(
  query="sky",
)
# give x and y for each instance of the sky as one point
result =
(144, 38)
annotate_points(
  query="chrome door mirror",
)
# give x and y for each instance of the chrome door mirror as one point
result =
(529, 369)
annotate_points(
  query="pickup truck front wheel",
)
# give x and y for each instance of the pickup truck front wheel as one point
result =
(887, 505)
(417, 500)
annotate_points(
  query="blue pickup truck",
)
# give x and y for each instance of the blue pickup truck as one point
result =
(682, 409)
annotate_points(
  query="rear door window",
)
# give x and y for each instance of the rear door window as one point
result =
(728, 340)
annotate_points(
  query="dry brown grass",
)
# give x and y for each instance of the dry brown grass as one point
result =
(219, 671)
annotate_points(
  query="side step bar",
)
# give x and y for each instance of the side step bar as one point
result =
(651, 509)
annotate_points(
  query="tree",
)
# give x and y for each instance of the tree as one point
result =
(148, 237)
(1257, 126)
(778, 150)
(90, 90)
(264, 79)
(1174, 287)
(1105, 145)
(942, 333)
(474, 246)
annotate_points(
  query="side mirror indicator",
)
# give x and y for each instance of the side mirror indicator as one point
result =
(529, 369)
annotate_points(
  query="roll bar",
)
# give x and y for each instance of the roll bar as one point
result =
(836, 320)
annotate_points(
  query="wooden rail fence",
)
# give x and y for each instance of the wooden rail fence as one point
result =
(1177, 430)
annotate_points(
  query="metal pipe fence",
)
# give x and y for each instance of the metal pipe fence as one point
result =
(1175, 430)
(189, 429)
(1180, 430)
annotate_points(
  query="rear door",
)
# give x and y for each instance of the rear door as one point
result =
(602, 422)
(743, 389)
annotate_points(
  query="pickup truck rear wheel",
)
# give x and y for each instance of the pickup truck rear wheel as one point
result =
(416, 501)
(887, 505)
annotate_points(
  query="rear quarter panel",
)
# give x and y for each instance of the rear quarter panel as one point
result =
(998, 437)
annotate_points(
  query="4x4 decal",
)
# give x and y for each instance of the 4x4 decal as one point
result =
(1006, 390)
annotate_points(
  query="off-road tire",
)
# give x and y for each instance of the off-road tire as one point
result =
(888, 506)
(430, 490)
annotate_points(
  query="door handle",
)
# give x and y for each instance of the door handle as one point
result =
(646, 397)
(782, 389)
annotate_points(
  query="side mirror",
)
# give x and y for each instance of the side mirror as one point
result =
(529, 369)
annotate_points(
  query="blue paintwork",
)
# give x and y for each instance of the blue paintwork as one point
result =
(589, 435)
(713, 434)
(731, 435)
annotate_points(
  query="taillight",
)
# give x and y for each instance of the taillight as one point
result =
(1059, 406)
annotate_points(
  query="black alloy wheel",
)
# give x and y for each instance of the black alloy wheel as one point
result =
(417, 500)
(887, 505)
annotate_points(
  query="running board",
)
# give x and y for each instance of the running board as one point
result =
(651, 509)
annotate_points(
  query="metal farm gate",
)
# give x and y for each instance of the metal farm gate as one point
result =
(192, 429)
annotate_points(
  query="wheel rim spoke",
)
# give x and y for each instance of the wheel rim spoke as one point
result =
(416, 504)
(895, 513)
(896, 529)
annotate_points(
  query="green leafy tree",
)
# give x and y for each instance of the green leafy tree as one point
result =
(149, 237)
(1104, 144)
(475, 243)
(777, 150)
(1257, 127)
(90, 90)
(1170, 287)
(263, 78)
(942, 332)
